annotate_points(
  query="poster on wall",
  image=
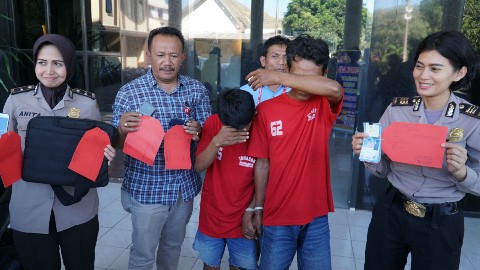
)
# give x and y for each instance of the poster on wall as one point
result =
(348, 75)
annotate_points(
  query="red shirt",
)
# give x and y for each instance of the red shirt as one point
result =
(227, 188)
(294, 136)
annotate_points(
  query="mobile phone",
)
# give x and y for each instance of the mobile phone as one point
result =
(176, 121)
(4, 123)
(147, 109)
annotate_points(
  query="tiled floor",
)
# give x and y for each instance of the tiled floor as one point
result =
(348, 235)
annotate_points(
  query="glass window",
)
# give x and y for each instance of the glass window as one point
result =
(29, 22)
(66, 20)
(102, 26)
(105, 78)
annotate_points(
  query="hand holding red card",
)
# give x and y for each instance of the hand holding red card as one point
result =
(88, 156)
(177, 149)
(144, 143)
(416, 144)
(10, 158)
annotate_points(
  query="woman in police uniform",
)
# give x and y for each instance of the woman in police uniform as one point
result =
(419, 213)
(40, 222)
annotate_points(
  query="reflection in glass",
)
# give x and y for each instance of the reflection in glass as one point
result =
(102, 26)
(66, 20)
(31, 23)
(105, 79)
(134, 60)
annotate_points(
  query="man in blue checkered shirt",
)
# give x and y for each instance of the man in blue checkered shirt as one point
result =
(160, 201)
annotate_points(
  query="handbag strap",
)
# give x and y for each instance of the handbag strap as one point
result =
(65, 198)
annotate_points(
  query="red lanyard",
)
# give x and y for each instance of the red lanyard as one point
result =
(261, 90)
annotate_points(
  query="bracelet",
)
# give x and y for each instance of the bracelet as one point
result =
(250, 209)
(258, 208)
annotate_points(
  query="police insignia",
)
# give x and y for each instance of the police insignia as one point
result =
(83, 93)
(450, 109)
(22, 89)
(470, 110)
(455, 135)
(407, 101)
(74, 113)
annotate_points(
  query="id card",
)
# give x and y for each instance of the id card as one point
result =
(372, 145)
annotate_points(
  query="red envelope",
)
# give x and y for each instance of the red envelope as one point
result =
(144, 143)
(10, 158)
(416, 144)
(88, 156)
(177, 149)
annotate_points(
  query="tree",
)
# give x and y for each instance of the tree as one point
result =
(471, 22)
(324, 19)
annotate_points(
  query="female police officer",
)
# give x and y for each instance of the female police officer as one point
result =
(419, 212)
(40, 222)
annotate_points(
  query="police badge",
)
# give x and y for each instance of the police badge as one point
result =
(455, 135)
(74, 113)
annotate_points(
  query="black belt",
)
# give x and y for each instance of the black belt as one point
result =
(426, 209)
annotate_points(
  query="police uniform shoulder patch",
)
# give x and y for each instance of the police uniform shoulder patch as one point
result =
(83, 93)
(470, 110)
(22, 89)
(407, 101)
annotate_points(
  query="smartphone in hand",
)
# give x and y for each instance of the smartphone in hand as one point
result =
(176, 121)
(147, 109)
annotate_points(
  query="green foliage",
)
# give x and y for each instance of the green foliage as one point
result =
(8, 56)
(323, 19)
(471, 22)
(390, 25)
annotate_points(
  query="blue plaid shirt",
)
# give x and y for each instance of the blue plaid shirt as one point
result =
(154, 184)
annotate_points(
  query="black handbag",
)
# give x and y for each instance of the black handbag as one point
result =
(50, 143)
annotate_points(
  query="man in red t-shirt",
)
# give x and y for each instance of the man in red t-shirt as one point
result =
(228, 187)
(290, 140)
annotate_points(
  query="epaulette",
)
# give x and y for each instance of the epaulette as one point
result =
(83, 93)
(22, 89)
(405, 101)
(470, 110)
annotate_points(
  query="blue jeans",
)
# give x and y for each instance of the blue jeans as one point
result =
(242, 252)
(156, 225)
(310, 241)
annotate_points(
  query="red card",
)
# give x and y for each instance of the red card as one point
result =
(88, 156)
(416, 144)
(144, 143)
(10, 158)
(177, 149)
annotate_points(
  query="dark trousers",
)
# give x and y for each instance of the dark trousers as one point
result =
(41, 251)
(393, 233)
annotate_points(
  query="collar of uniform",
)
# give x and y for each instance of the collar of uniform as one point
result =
(69, 94)
(37, 93)
(455, 101)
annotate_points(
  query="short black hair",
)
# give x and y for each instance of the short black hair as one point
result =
(236, 108)
(166, 31)
(275, 40)
(308, 48)
(454, 46)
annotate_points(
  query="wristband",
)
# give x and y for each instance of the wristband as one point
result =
(250, 209)
(258, 208)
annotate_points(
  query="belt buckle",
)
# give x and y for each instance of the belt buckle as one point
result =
(414, 208)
